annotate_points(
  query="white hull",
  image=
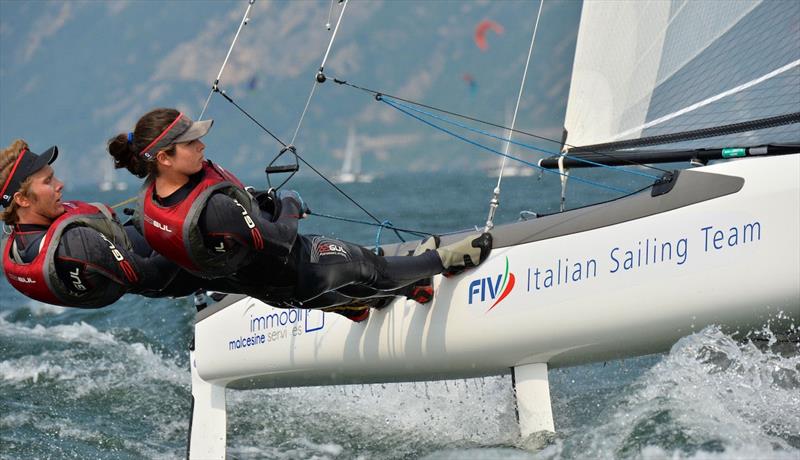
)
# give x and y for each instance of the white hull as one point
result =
(597, 315)
(625, 313)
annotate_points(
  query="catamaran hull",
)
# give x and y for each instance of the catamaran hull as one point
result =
(614, 291)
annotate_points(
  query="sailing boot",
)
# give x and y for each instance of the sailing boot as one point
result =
(354, 312)
(422, 290)
(358, 310)
(467, 253)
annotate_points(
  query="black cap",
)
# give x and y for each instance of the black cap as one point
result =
(26, 165)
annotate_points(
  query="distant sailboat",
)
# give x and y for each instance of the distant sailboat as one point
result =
(351, 167)
(110, 181)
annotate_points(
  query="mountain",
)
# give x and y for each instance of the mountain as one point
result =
(75, 73)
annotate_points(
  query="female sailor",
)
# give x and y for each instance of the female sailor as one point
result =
(72, 253)
(199, 215)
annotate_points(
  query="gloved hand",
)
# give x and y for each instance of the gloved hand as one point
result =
(267, 200)
(294, 195)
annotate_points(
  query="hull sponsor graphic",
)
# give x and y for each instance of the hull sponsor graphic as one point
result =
(275, 325)
(555, 271)
(495, 289)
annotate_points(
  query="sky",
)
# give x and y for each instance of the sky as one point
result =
(75, 73)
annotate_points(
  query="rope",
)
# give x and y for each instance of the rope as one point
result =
(384, 224)
(229, 99)
(469, 141)
(488, 123)
(521, 144)
(519, 96)
(321, 67)
(283, 144)
(225, 62)
(494, 202)
(123, 203)
(330, 12)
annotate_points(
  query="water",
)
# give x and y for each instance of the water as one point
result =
(113, 383)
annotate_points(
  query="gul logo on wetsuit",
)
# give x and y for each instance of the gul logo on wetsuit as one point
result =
(328, 247)
(21, 279)
(157, 224)
(491, 288)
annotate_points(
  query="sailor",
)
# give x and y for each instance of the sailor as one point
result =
(72, 253)
(199, 215)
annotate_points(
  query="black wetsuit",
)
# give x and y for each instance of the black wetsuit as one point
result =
(84, 248)
(301, 270)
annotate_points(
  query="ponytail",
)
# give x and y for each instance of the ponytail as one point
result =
(126, 148)
(125, 156)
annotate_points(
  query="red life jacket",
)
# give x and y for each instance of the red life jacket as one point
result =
(39, 280)
(173, 231)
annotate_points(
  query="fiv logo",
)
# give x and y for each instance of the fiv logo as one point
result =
(491, 288)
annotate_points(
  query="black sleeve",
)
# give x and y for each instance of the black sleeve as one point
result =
(224, 223)
(86, 260)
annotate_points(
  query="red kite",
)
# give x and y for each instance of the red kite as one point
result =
(480, 32)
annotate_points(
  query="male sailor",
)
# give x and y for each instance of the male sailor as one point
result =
(72, 253)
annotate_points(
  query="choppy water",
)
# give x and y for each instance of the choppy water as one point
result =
(114, 383)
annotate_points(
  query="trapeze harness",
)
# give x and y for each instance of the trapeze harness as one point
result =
(173, 231)
(39, 279)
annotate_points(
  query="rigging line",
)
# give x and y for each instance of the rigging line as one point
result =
(489, 123)
(321, 68)
(382, 224)
(299, 157)
(344, 194)
(330, 13)
(123, 203)
(228, 98)
(522, 144)
(497, 152)
(519, 96)
(225, 62)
